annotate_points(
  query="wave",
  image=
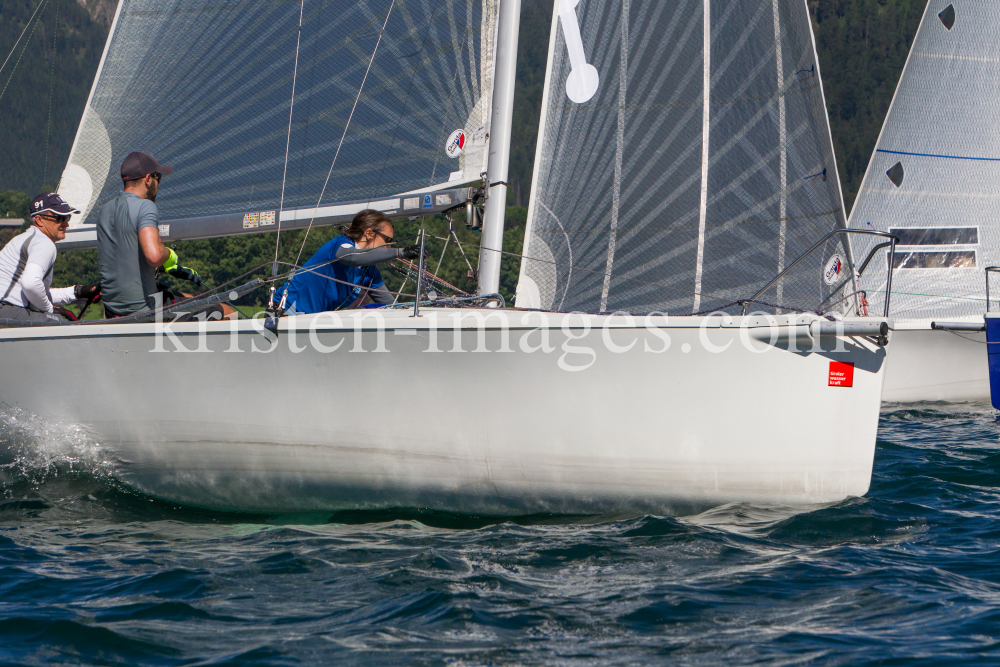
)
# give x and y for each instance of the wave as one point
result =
(34, 448)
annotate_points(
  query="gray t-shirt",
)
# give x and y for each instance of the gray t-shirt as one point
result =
(128, 282)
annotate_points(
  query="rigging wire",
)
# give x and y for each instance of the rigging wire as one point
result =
(18, 61)
(288, 138)
(342, 136)
(599, 273)
(52, 92)
(21, 35)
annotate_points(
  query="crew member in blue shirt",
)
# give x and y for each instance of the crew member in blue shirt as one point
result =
(350, 261)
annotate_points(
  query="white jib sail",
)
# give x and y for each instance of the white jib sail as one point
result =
(934, 178)
(684, 158)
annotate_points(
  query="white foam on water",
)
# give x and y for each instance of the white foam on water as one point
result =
(34, 448)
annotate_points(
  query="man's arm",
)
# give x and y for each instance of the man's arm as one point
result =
(349, 256)
(33, 286)
(382, 295)
(62, 295)
(152, 247)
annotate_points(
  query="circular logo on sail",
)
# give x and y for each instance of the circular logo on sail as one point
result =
(456, 143)
(832, 270)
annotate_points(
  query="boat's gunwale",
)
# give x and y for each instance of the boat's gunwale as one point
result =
(474, 319)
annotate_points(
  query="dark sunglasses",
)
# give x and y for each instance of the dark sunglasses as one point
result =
(387, 239)
(157, 175)
(60, 219)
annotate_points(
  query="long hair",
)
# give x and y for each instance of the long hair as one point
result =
(365, 220)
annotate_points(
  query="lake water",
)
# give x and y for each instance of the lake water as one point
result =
(93, 573)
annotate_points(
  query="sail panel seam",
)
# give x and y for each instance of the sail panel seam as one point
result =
(782, 148)
(619, 149)
(705, 128)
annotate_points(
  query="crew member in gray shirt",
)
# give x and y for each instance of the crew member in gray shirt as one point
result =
(129, 249)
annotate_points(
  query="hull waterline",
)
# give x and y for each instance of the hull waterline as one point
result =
(590, 415)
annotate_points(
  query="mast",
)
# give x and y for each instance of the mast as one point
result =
(499, 160)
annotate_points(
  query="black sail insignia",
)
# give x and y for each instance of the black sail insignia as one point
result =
(947, 17)
(896, 174)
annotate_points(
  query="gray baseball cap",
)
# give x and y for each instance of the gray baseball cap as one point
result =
(138, 163)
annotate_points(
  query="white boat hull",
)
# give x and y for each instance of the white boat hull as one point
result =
(638, 430)
(934, 365)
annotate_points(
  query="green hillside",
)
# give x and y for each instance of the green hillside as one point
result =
(45, 84)
(862, 48)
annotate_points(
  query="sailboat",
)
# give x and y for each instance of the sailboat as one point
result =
(685, 333)
(932, 181)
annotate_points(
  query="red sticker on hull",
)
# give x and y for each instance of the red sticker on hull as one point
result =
(841, 374)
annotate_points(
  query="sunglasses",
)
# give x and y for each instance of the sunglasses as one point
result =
(157, 175)
(387, 239)
(60, 219)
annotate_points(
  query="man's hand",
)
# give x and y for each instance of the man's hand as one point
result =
(65, 314)
(410, 252)
(184, 273)
(86, 291)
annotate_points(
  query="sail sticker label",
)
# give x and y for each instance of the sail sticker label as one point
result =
(442, 200)
(164, 230)
(411, 202)
(456, 143)
(833, 268)
(427, 202)
(841, 374)
(254, 220)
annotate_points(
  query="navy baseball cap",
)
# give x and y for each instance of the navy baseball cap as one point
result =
(51, 202)
(138, 163)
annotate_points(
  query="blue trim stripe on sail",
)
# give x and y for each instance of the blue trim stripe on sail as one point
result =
(946, 157)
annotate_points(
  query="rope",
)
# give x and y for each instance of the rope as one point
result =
(288, 138)
(433, 278)
(972, 340)
(342, 136)
(18, 61)
(599, 273)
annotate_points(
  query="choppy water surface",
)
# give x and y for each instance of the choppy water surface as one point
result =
(93, 573)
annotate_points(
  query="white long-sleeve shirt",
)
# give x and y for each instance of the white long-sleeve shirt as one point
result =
(34, 288)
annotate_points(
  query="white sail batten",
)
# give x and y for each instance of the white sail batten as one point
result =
(706, 126)
(933, 177)
(207, 89)
(724, 170)
(782, 147)
(619, 151)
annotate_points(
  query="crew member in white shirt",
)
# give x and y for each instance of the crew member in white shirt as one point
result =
(26, 266)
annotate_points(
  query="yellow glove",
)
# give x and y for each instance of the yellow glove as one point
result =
(171, 262)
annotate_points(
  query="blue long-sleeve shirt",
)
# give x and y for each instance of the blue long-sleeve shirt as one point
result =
(312, 293)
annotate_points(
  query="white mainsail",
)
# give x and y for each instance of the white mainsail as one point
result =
(378, 113)
(934, 178)
(684, 159)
